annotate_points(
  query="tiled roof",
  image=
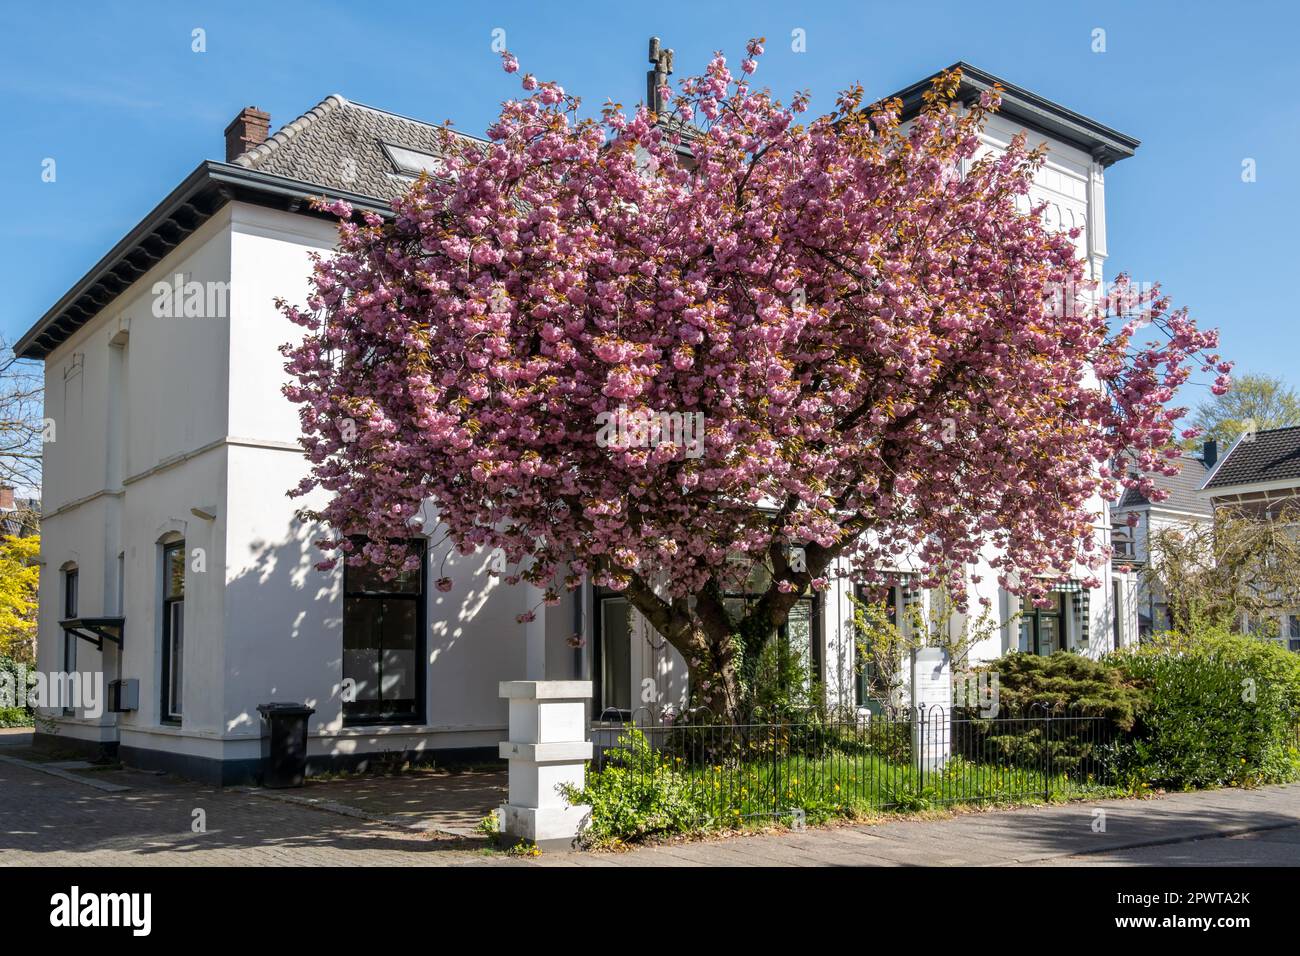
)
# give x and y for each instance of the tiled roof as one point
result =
(1270, 455)
(337, 148)
(340, 144)
(23, 519)
(1183, 489)
(1104, 144)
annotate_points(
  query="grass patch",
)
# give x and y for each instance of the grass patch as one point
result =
(642, 793)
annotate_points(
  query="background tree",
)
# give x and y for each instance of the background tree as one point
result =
(21, 401)
(19, 577)
(1255, 402)
(1242, 567)
(872, 331)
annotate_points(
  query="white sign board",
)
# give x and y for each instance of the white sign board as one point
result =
(931, 708)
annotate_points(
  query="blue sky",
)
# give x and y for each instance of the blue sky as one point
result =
(114, 93)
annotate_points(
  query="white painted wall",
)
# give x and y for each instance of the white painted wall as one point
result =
(284, 636)
(139, 413)
(1151, 520)
(189, 415)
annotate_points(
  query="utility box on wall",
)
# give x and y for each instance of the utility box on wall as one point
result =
(123, 695)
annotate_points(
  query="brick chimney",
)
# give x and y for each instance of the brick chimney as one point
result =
(245, 131)
(6, 498)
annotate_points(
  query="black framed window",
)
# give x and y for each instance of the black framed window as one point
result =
(801, 632)
(71, 583)
(1042, 629)
(613, 659)
(1117, 613)
(173, 631)
(865, 668)
(383, 644)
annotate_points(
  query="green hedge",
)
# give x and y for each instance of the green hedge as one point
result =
(13, 716)
(1221, 709)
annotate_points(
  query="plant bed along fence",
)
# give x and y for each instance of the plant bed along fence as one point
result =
(705, 775)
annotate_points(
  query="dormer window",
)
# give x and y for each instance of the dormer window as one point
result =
(412, 162)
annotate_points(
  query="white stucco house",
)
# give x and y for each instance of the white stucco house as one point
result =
(173, 562)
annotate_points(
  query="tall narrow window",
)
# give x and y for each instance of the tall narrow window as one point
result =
(614, 618)
(798, 665)
(799, 635)
(867, 670)
(1117, 614)
(173, 618)
(383, 645)
(70, 585)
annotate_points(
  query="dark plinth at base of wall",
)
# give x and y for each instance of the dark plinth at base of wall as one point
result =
(96, 751)
(229, 773)
(220, 773)
(395, 759)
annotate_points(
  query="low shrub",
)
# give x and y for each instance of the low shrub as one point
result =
(637, 794)
(11, 713)
(15, 717)
(891, 739)
(1222, 709)
(1096, 705)
(1065, 681)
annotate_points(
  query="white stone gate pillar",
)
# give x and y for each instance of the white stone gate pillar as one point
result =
(548, 748)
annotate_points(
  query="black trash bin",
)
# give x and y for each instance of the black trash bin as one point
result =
(284, 748)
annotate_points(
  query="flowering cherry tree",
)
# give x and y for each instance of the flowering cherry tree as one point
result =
(872, 335)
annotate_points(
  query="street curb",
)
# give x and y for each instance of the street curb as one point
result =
(64, 774)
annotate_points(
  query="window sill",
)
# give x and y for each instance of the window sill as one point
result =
(380, 724)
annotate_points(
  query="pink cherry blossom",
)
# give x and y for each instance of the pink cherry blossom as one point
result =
(876, 346)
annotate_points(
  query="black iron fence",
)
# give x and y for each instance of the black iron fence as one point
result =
(818, 767)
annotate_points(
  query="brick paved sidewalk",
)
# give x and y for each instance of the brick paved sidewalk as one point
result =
(50, 820)
(1224, 827)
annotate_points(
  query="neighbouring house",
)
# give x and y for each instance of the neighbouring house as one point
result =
(18, 516)
(175, 565)
(1260, 477)
(1185, 506)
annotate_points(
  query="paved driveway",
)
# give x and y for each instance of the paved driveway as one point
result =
(54, 820)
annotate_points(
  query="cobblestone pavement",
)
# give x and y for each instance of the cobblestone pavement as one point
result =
(49, 820)
(46, 820)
